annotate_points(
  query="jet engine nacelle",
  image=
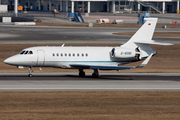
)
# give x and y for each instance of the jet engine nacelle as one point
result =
(123, 53)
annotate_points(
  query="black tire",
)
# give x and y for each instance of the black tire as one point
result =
(82, 74)
(30, 75)
(94, 75)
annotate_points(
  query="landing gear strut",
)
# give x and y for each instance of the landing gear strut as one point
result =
(81, 73)
(96, 73)
(30, 71)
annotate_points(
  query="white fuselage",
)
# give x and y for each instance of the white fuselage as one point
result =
(62, 57)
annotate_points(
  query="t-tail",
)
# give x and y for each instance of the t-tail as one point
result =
(142, 39)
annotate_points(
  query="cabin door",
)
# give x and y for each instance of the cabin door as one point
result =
(40, 57)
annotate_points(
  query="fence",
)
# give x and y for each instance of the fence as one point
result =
(32, 14)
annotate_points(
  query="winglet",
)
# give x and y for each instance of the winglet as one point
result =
(145, 62)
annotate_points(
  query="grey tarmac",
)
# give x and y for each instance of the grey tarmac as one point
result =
(105, 82)
(49, 34)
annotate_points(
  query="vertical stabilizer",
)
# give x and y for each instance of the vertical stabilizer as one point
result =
(144, 34)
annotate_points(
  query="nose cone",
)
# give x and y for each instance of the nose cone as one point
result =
(13, 60)
(8, 61)
(18, 60)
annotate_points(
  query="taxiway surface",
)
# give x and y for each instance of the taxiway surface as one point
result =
(105, 82)
(49, 34)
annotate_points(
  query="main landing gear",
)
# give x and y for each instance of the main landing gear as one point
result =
(30, 71)
(81, 73)
(95, 74)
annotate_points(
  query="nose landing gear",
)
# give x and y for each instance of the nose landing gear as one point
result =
(30, 71)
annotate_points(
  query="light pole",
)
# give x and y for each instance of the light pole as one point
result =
(16, 7)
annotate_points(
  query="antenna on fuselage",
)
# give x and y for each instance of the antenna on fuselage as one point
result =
(62, 45)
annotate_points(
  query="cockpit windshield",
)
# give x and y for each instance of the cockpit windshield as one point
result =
(25, 52)
(30, 52)
(22, 52)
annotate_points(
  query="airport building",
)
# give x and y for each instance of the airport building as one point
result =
(161, 6)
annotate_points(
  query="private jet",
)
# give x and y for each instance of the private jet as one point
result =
(96, 58)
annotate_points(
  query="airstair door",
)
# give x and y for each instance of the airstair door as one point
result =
(40, 57)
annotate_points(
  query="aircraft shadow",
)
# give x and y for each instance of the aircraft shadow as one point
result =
(88, 77)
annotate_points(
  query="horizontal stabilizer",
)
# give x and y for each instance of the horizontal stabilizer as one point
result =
(153, 42)
(145, 62)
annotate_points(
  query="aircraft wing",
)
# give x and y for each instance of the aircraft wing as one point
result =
(83, 66)
(100, 67)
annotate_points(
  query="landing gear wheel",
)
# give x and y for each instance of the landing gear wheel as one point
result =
(30, 71)
(94, 75)
(81, 73)
(30, 75)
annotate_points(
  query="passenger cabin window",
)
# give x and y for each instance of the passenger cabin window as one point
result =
(69, 54)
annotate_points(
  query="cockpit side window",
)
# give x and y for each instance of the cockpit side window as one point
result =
(30, 52)
(26, 52)
(22, 52)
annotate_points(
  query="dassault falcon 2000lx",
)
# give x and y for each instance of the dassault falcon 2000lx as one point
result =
(96, 58)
